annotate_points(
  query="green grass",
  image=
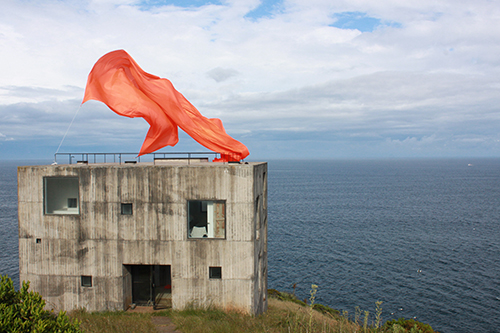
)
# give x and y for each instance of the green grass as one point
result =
(118, 321)
(282, 316)
(286, 314)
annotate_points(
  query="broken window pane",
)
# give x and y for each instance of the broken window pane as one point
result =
(206, 219)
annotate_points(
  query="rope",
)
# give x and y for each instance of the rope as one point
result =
(67, 130)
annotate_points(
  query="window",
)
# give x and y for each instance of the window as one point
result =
(215, 272)
(72, 203)
(60, 195)
(206, 219)
(126, 209)
(86, 281)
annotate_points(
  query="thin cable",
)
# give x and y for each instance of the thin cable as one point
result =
(68, 129)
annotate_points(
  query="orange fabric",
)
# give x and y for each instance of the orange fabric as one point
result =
(118, 81)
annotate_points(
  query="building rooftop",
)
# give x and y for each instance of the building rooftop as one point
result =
(130, 159)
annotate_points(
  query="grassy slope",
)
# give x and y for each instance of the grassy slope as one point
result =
(282, 316)
(279, 318)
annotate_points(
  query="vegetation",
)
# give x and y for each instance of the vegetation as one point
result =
(23, 311)
(115, 321)
(410, 325)
(286, 314)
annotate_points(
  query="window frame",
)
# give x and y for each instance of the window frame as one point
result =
(72, 202)
(85, 279)
(204, 210)
(126, 204)
(50, 197)
(215, 272)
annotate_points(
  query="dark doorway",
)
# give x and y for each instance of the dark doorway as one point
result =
(151, 285)
(141, 285)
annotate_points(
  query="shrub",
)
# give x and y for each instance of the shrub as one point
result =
(408, 325)
(326, 310)
(23, 311)
(284, 296)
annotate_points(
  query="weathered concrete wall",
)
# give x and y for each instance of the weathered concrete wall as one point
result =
(100, 241)
(260, 249)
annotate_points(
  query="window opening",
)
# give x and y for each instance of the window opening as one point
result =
(86, 281)
(206, 219)
(215, 272)
(72, 203)
(61, 195)
(126, 209)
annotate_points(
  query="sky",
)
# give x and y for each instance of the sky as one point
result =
(298, 79)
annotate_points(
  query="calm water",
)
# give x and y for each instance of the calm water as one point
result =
(9, 262)
(422, 236)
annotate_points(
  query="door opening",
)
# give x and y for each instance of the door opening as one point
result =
(151, 285)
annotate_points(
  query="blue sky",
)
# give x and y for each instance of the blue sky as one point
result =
(289, 79)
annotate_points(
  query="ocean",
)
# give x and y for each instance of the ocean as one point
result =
(422, 236)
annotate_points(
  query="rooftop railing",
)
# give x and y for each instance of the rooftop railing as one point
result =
(86, 158)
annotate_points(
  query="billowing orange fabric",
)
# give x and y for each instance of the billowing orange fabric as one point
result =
(118, 81)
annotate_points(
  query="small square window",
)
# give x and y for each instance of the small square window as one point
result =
(38, 240)
(126, 209)
(215, 272)
(72, 203)
(86, 281)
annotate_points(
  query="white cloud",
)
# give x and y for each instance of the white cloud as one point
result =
(5, 138)
(434, 75)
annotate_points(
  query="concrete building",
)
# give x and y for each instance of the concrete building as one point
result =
(107, 236)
